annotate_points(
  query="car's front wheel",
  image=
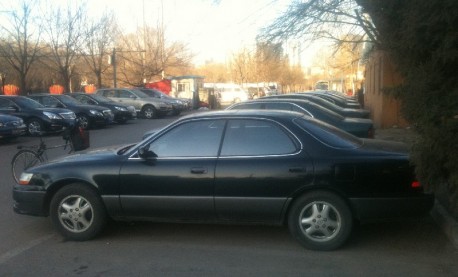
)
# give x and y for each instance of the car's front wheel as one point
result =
(34, 127)
(83, 121)
(320, 220)
(78, 212)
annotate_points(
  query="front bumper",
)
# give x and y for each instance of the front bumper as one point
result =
(367, 209)
(29, 201)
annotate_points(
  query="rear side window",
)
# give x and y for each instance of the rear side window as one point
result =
(246, 137)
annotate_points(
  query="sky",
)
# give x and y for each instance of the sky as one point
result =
(211, 29)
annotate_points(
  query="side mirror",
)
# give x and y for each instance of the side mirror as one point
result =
(146, 154)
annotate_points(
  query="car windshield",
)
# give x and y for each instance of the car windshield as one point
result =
(101, 98)
(28, 103)
(67, 100)
(328, 134)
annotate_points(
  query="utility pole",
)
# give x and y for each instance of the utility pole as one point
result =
(113, 62)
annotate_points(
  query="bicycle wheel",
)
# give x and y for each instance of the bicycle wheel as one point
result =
(23, 160)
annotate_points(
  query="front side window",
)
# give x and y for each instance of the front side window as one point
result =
(247, 137)
(125, 94)
(190, 139)
(49, 101)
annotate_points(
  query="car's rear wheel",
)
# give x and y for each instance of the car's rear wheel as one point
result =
(78, 212)
(320, 220)
(149, 112)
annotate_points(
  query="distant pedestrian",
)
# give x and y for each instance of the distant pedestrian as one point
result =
(360, 95)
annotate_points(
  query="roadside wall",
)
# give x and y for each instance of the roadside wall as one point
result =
(381, 73)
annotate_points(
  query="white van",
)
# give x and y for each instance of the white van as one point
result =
(232, 94)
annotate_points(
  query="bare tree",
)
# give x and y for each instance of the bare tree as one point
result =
(269, 61)
(65, 31)
(98, 44)
(311, 20)
(20, 43)
(146, 55)
(243, 66)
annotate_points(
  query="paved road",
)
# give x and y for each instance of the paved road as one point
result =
(30, 247)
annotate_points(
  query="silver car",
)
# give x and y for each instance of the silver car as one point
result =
(147, 106)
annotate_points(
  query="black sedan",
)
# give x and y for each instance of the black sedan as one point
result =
(339, 100)
(345, 112)
(360, 127)
(251, 167)
(37, 117)
(11, 127)
(87, 115)
(121, 112)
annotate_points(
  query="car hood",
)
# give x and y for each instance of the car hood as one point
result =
(92, 107)
(7, 118)
(55, 110)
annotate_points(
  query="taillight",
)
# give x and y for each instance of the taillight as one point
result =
(415, 184)
(371, 133)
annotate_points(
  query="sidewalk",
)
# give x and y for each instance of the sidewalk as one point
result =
(442, 217)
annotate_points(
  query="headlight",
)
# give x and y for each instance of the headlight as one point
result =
(1, 124)
(97, 113)
(25, 178)
(120, 108)
(52, 115)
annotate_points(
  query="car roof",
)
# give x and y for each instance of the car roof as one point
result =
(273, 114)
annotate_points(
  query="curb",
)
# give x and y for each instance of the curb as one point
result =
(448, 224)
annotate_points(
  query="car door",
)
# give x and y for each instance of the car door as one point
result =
(261, 165)
(179, 183)
(129, 98)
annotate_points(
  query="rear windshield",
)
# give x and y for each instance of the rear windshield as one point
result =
(328, 134)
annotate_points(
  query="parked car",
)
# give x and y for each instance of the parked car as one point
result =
(360, 127)
(148, 107)
(341, 101)
(177, 105)
(88, 115)
(253, 167)
(231, 94)
(11, 127)
(37, 117)
(345, 112)
(122, 113)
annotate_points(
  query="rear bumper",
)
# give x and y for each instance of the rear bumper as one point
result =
(367, 209)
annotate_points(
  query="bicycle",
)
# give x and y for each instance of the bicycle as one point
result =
(75, 138)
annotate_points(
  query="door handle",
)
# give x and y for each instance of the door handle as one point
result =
(198, 170)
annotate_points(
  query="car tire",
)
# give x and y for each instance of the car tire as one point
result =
(83, 121)
(320, 220)
(149, 112)
(78, 212)
(176, 112)
(34, 127)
